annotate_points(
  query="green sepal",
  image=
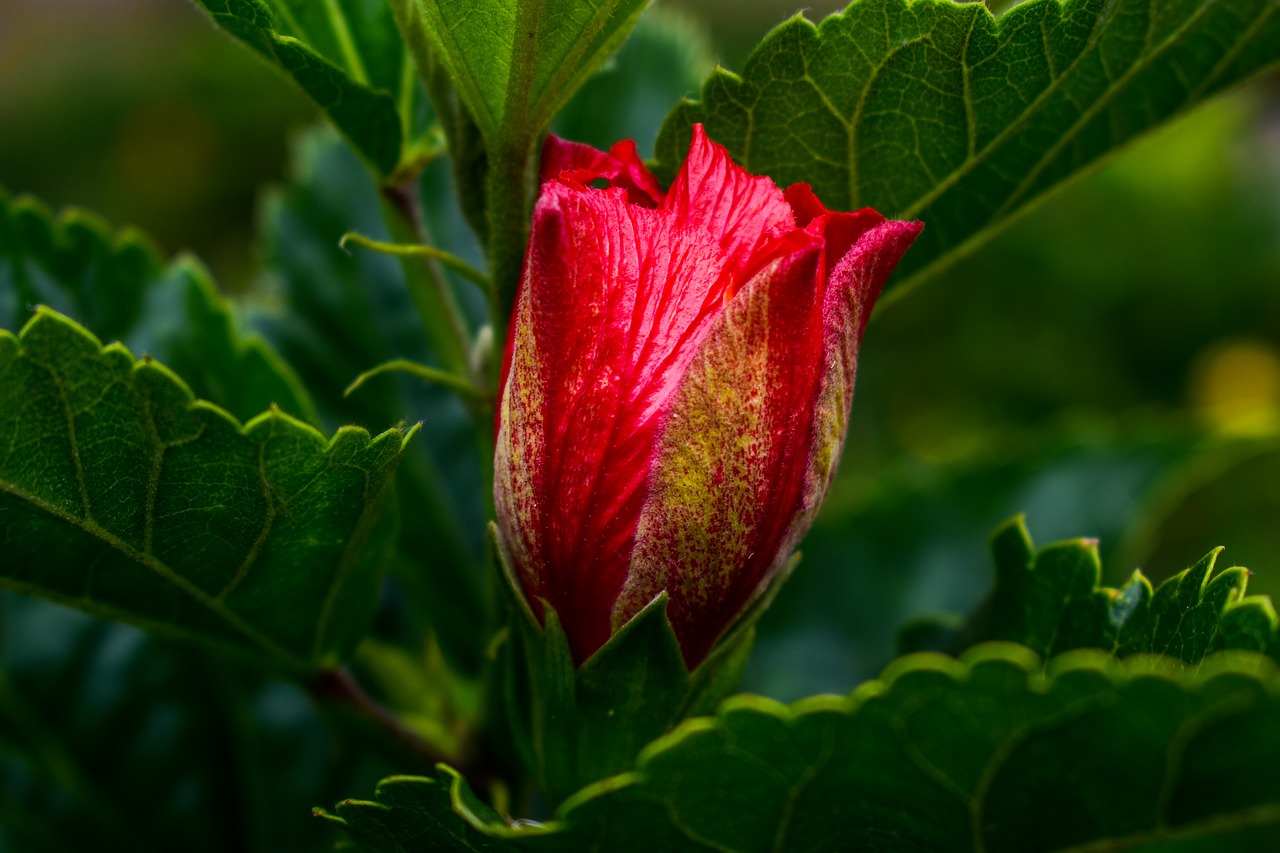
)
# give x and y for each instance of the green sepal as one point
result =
(574, 725)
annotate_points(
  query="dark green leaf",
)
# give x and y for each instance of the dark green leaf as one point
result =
(1230, 494)
(116, 286)
(986, 753)
(347, 55)
(516, 62)
(900, 539)
(1053, 602)
(416, 813)
(123, 495)
(938, 111)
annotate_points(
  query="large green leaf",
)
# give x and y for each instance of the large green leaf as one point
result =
(347, 55)
(516, 62)
(901, 539)
(932, 110)
(989, 752)
(123, 495)
(115, 284)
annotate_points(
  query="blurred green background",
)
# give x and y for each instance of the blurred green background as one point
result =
(1109, 365)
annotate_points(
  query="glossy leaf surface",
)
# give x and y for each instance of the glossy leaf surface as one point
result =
(114, 283)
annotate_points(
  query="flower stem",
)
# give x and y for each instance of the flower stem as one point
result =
(441, 318)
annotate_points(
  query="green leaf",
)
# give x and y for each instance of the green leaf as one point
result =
(514, 63)
(115, 284)
(124, 496)
(347, 55)
(417, 813)
(835, 620)
(938, 111)
(1052, 601)
(990, 752)
(1227, 494)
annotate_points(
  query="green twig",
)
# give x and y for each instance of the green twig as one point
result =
(414, 250)
(424, 372)
(441, 318)
(336, 690)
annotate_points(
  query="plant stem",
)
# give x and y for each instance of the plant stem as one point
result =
(337, 690)
(441, 318)
(511, 186)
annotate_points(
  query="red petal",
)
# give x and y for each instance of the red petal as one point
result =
(639, 393)
(855, 279)
(839, 230)
(859, 274)
(614, 302)
(581, 165)
(733, 453)
(738, 208)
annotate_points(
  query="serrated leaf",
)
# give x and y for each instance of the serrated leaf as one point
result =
(932, 110)
(347, 55)
(1052, 601)
(986, 753)
(124, 496)
(516, 62)
(418, 813)
(116, 285)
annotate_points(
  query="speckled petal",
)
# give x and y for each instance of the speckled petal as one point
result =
(729, 469)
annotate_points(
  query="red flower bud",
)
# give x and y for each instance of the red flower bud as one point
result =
(676, 385)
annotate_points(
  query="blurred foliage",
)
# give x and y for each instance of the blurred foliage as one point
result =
(1110, 366)
(145, 114)
(113, 740)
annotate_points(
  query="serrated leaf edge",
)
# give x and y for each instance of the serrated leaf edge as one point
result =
(118, 241)
(1040, 678)
(44, 315)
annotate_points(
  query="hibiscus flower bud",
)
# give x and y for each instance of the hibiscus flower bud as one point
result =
(676, 385)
